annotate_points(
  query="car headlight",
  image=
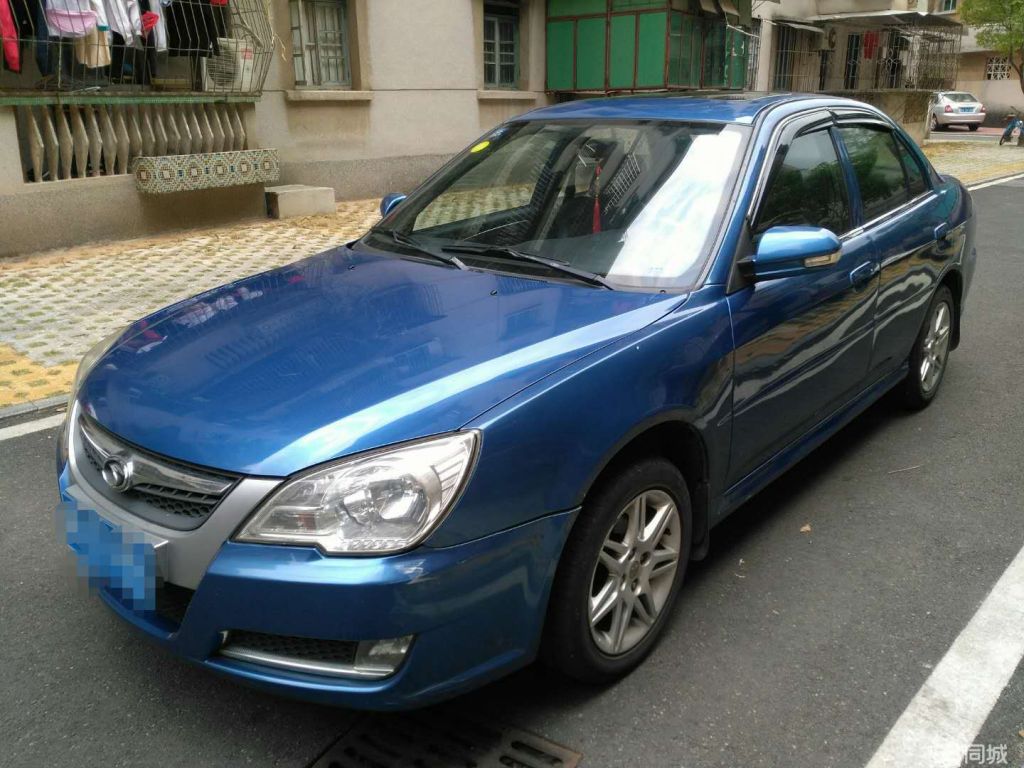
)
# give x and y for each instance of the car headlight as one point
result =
(92, 357)
(380, 503)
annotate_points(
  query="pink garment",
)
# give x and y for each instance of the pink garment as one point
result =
(70, 18)
(9, 36)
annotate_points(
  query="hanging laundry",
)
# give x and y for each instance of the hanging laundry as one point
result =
(9, 34)
(70, 18)
(93, 50)
(160, 30)
(124, 18)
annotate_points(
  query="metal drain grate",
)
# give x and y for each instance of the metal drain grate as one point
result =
(442, 740)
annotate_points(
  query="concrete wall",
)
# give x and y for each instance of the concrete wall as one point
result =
(998, 96)
(417, 96)
(789, 9)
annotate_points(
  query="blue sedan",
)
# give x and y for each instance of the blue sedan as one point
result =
(500, 425)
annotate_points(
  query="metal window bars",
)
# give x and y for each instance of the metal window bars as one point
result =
(320, 45)
(501, 46)
(204, 48)
(997, 68)
(753, 54)
(894, 52)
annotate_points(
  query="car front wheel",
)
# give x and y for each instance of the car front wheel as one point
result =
(620, 572)
(933, 123)
(930, 353)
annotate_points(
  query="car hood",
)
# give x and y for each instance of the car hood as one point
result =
(343, 352)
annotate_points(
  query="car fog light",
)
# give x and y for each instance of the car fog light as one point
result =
(382, 657)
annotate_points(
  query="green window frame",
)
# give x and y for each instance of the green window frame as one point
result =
(501, 45)
(320, 47)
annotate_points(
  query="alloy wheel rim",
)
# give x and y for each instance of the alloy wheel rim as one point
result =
(936, 348)
(633, 577)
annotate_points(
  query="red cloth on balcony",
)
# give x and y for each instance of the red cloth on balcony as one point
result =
(9, 35)
(870, 44)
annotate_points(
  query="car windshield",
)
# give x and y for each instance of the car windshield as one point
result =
(637, 203)
(960, 97)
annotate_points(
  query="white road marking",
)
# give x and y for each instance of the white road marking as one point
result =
(28, 427)
(945, 716)
(984, 184)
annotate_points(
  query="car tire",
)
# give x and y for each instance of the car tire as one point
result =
(600, 560)
(972, 127)
(933, 123)
(930, 354)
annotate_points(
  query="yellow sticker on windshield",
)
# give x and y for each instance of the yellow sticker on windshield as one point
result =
(481, 146)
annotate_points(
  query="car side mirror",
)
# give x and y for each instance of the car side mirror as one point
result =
(390, 202)
(789, 251)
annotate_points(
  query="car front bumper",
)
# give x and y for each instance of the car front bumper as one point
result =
(475, 610)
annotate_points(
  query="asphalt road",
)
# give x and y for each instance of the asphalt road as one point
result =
(788, 648)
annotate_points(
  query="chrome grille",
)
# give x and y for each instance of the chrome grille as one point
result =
(161, 490)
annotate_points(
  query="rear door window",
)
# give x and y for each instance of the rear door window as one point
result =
(878, 168)
(807, 187)
(916, 183)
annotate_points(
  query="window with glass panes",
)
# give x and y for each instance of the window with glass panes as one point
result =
(320, 55)
(948, 5)
(501, 45)
(997, 68)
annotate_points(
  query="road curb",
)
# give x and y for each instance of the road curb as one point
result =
(995, 180)
(32, 407)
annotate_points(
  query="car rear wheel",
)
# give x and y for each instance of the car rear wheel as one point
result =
(933, 123)
(972, 127)
(620, 573)
(930, 354)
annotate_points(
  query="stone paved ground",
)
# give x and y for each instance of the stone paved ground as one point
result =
(55, 305)
(975, 161)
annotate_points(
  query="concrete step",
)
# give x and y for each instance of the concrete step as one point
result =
(290, 200)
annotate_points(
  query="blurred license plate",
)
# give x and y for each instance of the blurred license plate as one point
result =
(109, 556)
(966, 109)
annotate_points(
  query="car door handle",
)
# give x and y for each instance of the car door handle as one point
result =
(862, 275)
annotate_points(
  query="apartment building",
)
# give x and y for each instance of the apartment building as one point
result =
(891, 53)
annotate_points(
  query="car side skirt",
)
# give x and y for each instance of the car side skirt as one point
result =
(800, 448)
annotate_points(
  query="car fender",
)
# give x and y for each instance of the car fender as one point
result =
(543, 448)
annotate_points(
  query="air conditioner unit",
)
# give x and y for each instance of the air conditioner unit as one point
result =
(827, 40)
(231, 70)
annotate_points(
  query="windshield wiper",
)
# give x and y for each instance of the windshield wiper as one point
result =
(411, 242)
(511, 253)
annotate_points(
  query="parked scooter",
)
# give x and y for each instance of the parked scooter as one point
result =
(1015, 124)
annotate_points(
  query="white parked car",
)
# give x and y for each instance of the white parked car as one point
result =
(955, 108)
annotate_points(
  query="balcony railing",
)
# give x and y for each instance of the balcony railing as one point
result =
(869, 51)
(144, 51)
